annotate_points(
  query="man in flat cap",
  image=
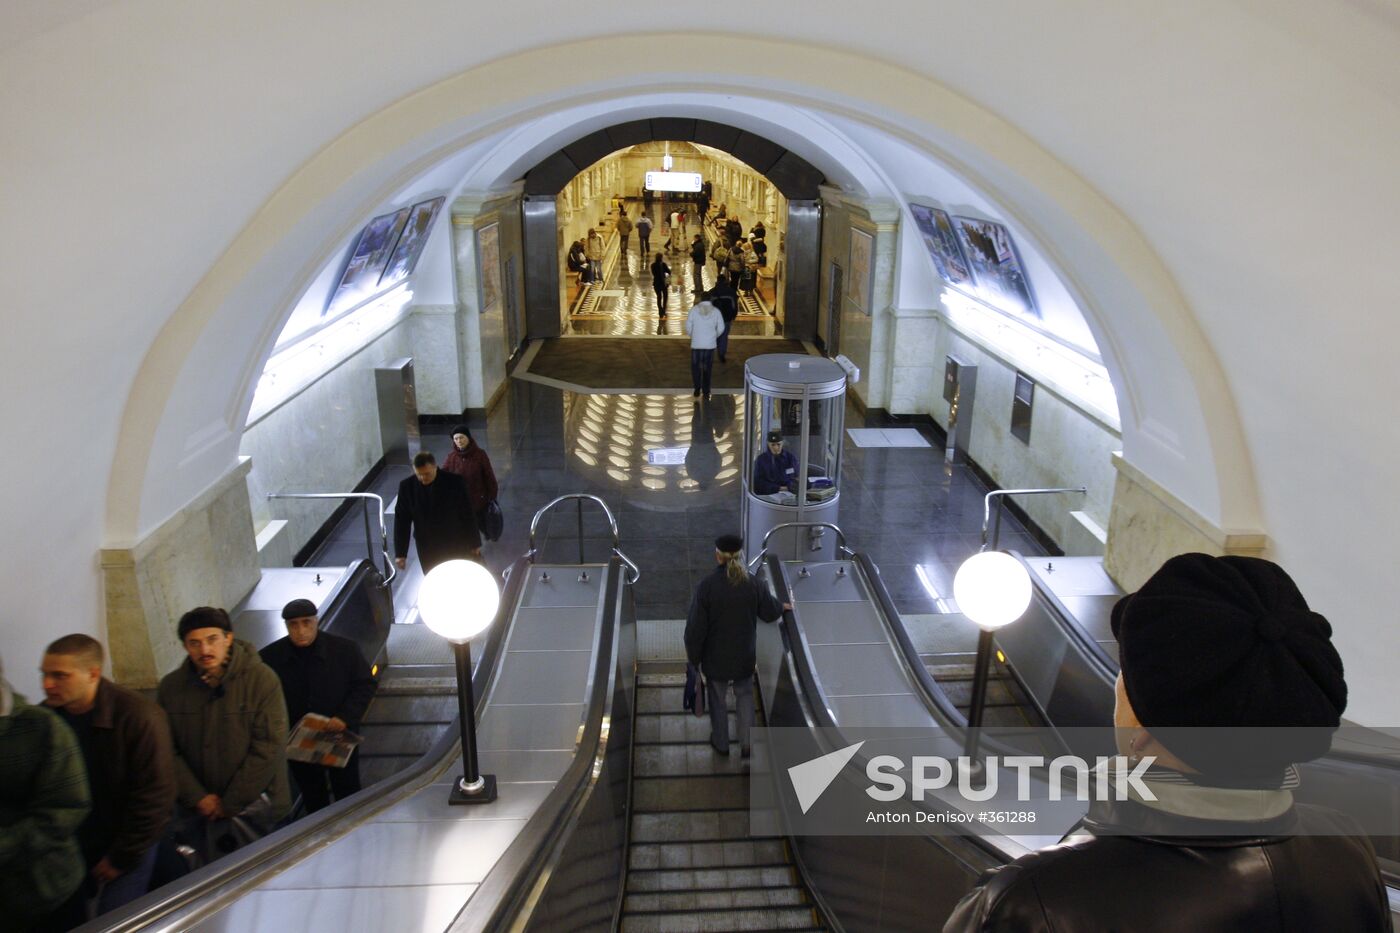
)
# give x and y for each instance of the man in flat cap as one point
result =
(775, 469)
(1227, 680)
(325, 674)
(721, 633)
(229, 726)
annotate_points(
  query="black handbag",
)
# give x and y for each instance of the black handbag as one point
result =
(492, 521)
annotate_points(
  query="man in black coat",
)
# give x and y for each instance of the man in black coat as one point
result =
(724, 297)
(326, 674)
(721, 634)
(436, 508)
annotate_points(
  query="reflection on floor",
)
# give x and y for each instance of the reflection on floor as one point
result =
(627, 363)
(626, 305)
(917, 517)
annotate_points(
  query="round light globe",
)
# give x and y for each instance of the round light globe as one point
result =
(992, 589)
(458, 599)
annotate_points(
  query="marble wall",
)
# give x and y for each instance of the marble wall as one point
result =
(1147, 525)
(863, 325)
(206, 554)
(1068, 446)
(326, 438)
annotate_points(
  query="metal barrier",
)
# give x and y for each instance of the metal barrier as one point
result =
(579, 497)
(987, 508)
(390, 571)
(763, 548)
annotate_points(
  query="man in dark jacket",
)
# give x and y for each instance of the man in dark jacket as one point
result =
(724, 297)
(125, 741)
(229, 724)
(775, 469)
(1208, 646)
(325, 674)
(721, 633)
(435, 507)
(43, 800)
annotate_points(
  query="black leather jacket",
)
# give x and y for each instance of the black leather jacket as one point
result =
(1163, 879)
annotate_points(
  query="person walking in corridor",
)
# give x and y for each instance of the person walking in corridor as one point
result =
(660, 283)
(470, 462)
(435, 508)
(721, 633)
(704, 325)
(624, 232)
(643, 236)
(697, 259)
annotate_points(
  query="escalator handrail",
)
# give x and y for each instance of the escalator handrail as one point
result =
(320, 828)
(763, 547)
(505, 891)
(581, 496)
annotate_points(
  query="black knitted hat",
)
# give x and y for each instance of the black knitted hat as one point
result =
(1229, 642)
(461, 429)
(728, 544)
(298, 609)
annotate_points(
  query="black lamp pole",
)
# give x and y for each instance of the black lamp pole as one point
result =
(979, 699)
(472, 786)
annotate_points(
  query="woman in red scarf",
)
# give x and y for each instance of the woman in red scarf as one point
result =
(470, 462)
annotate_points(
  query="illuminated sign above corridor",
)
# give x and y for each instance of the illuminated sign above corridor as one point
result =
(673, 181)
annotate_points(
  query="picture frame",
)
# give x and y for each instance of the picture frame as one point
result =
(860, 278)
(941, 240)
(996, 265)
(367, 260)
(416, 230)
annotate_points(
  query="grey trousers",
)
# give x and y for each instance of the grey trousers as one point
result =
(719, 711)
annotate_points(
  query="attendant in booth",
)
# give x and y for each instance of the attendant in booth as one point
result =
(775, 469)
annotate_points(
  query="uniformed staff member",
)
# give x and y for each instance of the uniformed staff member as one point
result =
(775, 469)
(326, 674)
(721, 632)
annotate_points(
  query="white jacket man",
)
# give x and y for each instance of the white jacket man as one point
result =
(704, 324)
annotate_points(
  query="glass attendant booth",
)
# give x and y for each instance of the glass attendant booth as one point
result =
(796, 407)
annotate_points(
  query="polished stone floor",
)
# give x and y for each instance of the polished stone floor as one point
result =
(626, 305)
(641, 364)
(917, 517)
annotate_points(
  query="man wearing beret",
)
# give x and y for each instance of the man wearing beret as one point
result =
(325, 674)
(229, 725)
(1216, 653)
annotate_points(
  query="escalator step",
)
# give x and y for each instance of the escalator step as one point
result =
(718, 792)
(678, 728)
(718, 921)
(400, 739)
(711, 879)
(413, 708)
(737, 853)
(730, 899)
(690, 827)
(683, 761)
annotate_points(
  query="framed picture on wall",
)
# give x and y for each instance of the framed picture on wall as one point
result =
(488, 265)
(404, 258)
(996, 266)
(860, 279)
(941, 241)
(367, 259)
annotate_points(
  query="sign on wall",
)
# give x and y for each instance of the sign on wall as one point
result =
(488, 266)
(673, 181)
(861, 280)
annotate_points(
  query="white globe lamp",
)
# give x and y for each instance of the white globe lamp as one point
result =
(993, 589)
(458, 600)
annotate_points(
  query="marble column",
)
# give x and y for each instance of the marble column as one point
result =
(480, 331)
(204, 555)
(1147, 525)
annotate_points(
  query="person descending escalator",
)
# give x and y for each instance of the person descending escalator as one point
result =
(1210, 649)
(721, 633)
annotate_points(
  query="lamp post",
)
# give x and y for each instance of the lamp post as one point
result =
(992, 589)
(458, 600)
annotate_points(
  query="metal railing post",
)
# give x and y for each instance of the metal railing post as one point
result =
(389, 570)
(998, 494)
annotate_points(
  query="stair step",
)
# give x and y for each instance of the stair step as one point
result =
(731, 854)
(413, 708)
(661, 680)
(711, 879)
(690, 827)
(679, 728)
(684, 761)
(384, 739)
(731, 899)
(718, 792)
(775, 918)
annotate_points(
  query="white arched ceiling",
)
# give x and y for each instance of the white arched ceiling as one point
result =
(1214, 177)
